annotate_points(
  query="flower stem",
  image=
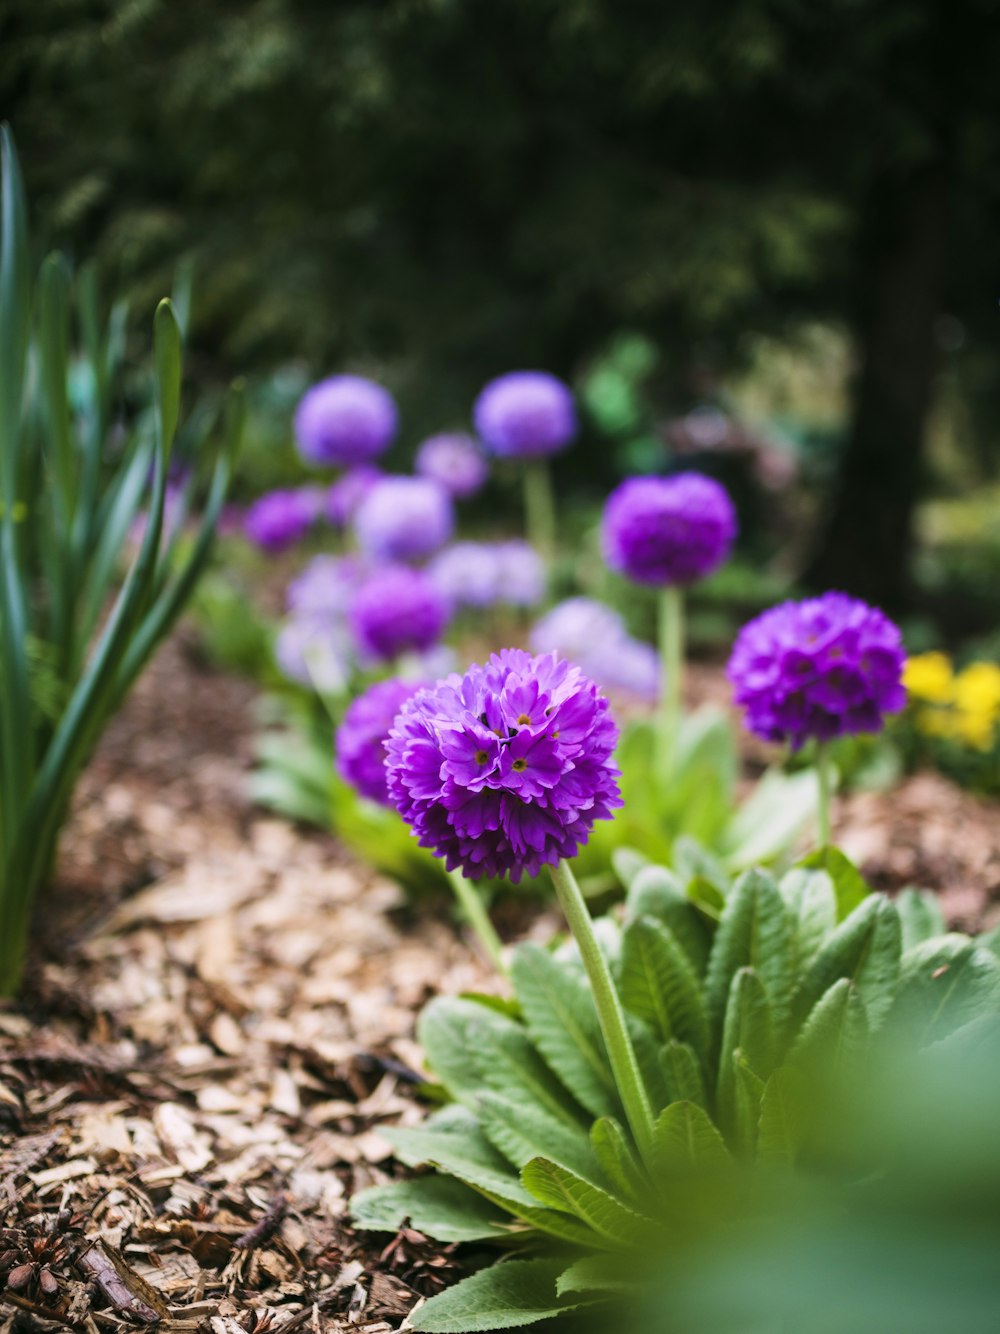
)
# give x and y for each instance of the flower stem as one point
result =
(611, 1015)
(824, 787)
(540, 508)
(672, 668)
(478, 918)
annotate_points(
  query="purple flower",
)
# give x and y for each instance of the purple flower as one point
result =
(325, 587)
(521, 575)
(361, 736)
(454, 461)
(595, 636)
(347, 493)
(316, 653)
(829, 666)
(281, 518)
(397, 610)
(403, 518)
(668, 530)
(505, 770)
(485, 574)
(345, 420)
(525, 414)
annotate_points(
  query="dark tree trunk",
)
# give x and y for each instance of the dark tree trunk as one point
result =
(867, 542)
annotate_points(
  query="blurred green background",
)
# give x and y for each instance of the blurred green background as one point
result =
(759, 235)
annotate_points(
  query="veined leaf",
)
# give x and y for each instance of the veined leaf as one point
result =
(522, 1131)
(695, 862)
(865, 948)
(442, 1207)
(812, 903)
(835, 1030)
(558, 1188)
(458, 1146)
(749, 1031)
(595, 1273)
(777, 1129)
(509, 1295)
(562, 1020)
(685, 1138)
(754, 932)
(682, 1073)
(659, 985)
(450, 1030)
(779, 808)
(848, 883)
(659, 893)
(748, 1094)
(920, 917)
(944, 984)
(619, 1164)
(509, 1064)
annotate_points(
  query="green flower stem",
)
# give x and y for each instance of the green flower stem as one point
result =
(478, 918)
(624, 1064)
(672, 666)
(540, 508)
(824, 790)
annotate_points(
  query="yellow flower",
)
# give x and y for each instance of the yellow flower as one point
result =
(977, 704)
(929, 676)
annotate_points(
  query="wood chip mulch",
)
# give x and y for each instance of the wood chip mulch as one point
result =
(219, 1019)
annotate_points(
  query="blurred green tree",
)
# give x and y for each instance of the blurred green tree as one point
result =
(444, 187)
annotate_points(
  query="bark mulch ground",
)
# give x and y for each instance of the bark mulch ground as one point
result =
(219, 1018)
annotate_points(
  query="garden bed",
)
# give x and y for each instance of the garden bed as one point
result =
(221, 1016)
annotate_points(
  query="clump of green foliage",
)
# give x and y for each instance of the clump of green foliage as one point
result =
(74, 480)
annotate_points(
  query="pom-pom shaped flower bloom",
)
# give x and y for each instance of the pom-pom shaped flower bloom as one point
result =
(281, 518)
(525, 414)
(361, 736)
(403, 518)
(668, 530)
(397, 610)
(345, 420)
(505, 770)
(489, 574)
(347, 492)
(325, 586)
(826, 667)
(455, 461)
(594, 635)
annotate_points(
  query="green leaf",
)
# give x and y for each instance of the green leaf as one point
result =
(775, 813)
(618, 1162)
(595, 1273)
(834, 1032)
(562, 1020)
(440, 1207)
(848, 883)
(167, 354)
(506, 1296)
(865, 948)
(748, 1094)
(707, 898)
(627, 863)
(454, 1141)
(682, 1074)
(693, 862)
(946, 983)
(753, 932)
(558, 1188)
(812, 903)
(748, 1032)
(522, 1131)
(659, 893)
(659, 985)
(777, 1129)
(15, 308)
(450, 1030)
(920, 916)
(509, 1064)
(684, 1138)
(54, 358)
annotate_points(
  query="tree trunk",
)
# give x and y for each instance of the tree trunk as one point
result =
(867, 545)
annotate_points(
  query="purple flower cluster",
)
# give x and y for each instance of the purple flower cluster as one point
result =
(347, 493)
(489, 574)
(525, 414)
(594, 636)
(455, 462)
(668, 530)
(505, 770)
(345, 420)
(315, 646)
(403, 518)
(397, 610)
(361, 736)
(826, 667)
(281, 518)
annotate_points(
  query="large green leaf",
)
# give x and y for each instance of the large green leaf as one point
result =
(522, 1131)
(682, 1073)
(562, 1020)
(865, 948)
(834, 1032)
(613, 1149)
(660, 893)
(450, 1029)
(454, 1141)
(920, 916)
(507, 1296)
(659, 985)
(754, 932)
(775, 813)
(748, 1032)
(558, 1188)
(777, 1130)
(685, 1139)
(509, 1064)
(812, 903)
(441, 1207)
(848, 883)
(946, 983)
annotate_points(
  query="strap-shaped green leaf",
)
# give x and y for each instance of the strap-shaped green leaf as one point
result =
(685, 1139)
(556, 1187)
(562, 1020)
(167, 354)
(779, 1125)
(780, 806)
(834, 1032)
(442, 1207)
(462, 1150)
(507, 1296)
(616, 1156)
(659, 985)
(812, 903)
(53, 327)
(754, 932)
(682, 1073)
(748, 1031)
(865, 948)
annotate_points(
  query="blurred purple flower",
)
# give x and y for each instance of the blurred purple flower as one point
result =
(345, 420)
(593, 635)
(361, 736)
(280, 518)
(505, 770)
(826, 667)
(403, 518)
(455, 461)
(522, 577)
(668, 530)
(325, 587)
(525, 414)
(315, 652)
(397, 610)
(347, 493)
(486, 574)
